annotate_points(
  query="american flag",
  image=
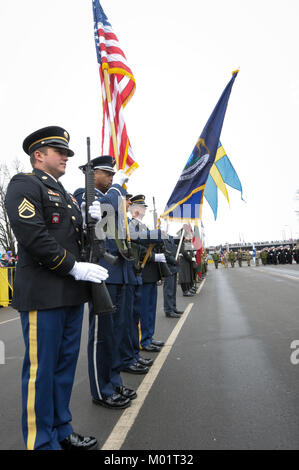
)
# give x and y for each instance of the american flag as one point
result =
(122, 87)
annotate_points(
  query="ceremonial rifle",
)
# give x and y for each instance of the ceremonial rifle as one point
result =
(101, 299)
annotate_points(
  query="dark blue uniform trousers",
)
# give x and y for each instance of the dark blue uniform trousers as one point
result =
(100, 354)
(52, 344)
(148, 308)
(130, 344)
(136, 337)
(106, 334)
(169, 293)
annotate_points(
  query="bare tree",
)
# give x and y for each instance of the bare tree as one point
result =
(7, 238)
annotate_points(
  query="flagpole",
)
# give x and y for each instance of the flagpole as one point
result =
(115, 147)
(149, 250)
(180, 244)
(111, 117)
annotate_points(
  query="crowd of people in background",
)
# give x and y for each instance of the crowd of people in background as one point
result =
(7, 260)
(269, 255)
(280, 255)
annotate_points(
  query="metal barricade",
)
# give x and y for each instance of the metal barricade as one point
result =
(6, 285)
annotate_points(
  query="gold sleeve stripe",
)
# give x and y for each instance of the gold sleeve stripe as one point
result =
(31, 417)
(55, 267)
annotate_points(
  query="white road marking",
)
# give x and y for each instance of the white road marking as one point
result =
(294, 278)
(7, 321)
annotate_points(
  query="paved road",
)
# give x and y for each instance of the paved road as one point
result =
(225, 379)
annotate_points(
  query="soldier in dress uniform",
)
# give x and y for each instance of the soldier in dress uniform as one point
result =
(279, 254)
(289, 255)
(151, 274)
(107, 332)
(141, 239)
(274, 255)
(135, 363)
(170, 282)
(186, 268)
(270, 256)
(50, 290)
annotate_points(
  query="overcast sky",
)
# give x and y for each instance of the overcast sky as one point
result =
(182, 55)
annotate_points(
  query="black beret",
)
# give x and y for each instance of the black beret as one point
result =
(105, 162)
(138, 200)
(52, 136)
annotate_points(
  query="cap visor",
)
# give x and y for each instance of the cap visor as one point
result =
(70, 153)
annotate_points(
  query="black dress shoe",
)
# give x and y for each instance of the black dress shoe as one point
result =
(126, 392)
(136, 368)
(145, 361)
(172, 315)
(179, 312)
(157, 343)
(115, 401)
(76, 442)
(151, 348)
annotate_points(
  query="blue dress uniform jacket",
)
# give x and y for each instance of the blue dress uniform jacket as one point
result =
(47, 224)
(118, 274)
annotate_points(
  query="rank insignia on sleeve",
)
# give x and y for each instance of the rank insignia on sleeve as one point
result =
(26, 209)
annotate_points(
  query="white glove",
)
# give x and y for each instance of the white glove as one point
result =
(95, 211)
(120, 178)
(89, 272)
(160, 258)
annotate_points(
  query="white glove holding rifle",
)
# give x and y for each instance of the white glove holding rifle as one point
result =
(160, 258)
(94, 211)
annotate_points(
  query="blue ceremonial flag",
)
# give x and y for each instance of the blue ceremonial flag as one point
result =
(221, 172)
(253, 252)
(186, 199)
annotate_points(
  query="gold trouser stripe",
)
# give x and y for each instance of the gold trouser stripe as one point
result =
(31, 417)
(140, 334)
